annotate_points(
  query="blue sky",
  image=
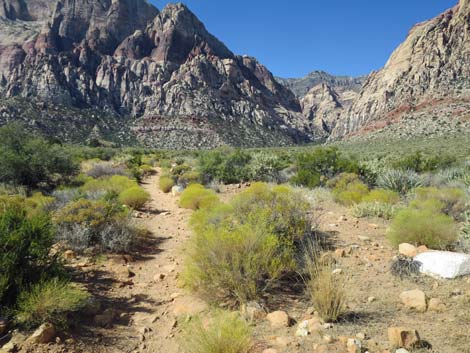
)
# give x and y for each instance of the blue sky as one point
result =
(292, 38)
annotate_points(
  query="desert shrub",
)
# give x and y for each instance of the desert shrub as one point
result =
(317, 167)
(196, 196)
(464, 234)
(166, 183)
(452, 199)
(25, 244)
(347, 189)
(38, 203)
(135, 197)
(288, 211)
(31, 160)
(382, 196)
(326, 289)
(423, 224)
(266, 167)
(225, 165)
(80, 223)
(224, 333)
(49, 301)
(419, 162)
(374, 209)
(104, 169)
(401, 181)
(118, 236)
(114, 184)
(239, 250)
(63, 196)
(189, 177)
(146, 170)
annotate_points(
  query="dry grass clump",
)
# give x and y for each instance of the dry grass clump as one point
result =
(326, 289)
(225, 332)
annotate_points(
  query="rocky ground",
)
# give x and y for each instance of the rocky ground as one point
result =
(140, 306)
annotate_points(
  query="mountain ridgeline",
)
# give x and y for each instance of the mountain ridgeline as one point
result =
(123, 71)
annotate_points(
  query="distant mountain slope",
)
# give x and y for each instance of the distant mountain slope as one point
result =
(324, 97)
(425, 83)
(160, 73)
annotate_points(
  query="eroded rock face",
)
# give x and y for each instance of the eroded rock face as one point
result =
(431, 68)
(181, 86)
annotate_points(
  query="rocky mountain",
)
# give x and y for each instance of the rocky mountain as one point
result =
(123, 65)
(324, 97)
(426, 81)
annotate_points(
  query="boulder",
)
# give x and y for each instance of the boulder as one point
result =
(443, 264)
(402, 337)
(253, 311)
(407, 250)
(177, 190)
(44, 334)
(3, 326)
(354, 345)
(414, 299)
(279, 319)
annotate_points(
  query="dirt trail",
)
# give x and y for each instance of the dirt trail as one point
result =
(150, 301)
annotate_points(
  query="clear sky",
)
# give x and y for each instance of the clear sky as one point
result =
(293, 38)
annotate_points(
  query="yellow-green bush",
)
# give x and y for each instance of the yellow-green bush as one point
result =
(382, 196)
(86, 212)
(347, 189)
(166, 183)
(240, 250)
(190, 177)
(49, 301)
(196, 196)
(37, 203)
(225, 332)
(134, 197)
(115, 184)
(423, 224)
(288, 209)
(452, 199)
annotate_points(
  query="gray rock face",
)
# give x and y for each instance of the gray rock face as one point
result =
(430, 69)
(181, 86)
(324, 97)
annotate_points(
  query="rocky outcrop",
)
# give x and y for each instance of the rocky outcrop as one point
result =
(429, 72)
(179, 85)
(324, 97)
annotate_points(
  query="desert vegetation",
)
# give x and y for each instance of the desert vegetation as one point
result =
(261, 239)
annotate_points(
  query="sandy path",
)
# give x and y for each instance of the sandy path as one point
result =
(156, 276)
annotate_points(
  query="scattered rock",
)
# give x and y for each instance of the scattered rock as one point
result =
(444, 264)
(361, 335)
(364, 238)
(279, 319)
(435, 304)
(414, 299)
(422, 248)
(44, 334)
(253, 311)
(270, 350)
(106, 318)
(401, 350)
(403, 337)
(302, 329)
(337, 271)
(340, 253)
(177, 190)
(328, 339)
(354, 345)
(407, 250)
(371, 299)
(159, 277)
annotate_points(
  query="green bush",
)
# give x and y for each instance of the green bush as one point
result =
(316, 168)
(226, 166)
(401, 181)
(49, 301)
(25, 244)
(31, 160)
(421, 163)
(135, 197)
(240, 250)
(382, 196)
(166, 183)
(189, 177)
(348, 189)
(225, 333)
(423, 225)
(266, 167)
(196, 196)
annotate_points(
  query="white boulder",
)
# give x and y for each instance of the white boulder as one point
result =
(444, 264)
(177, 190)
